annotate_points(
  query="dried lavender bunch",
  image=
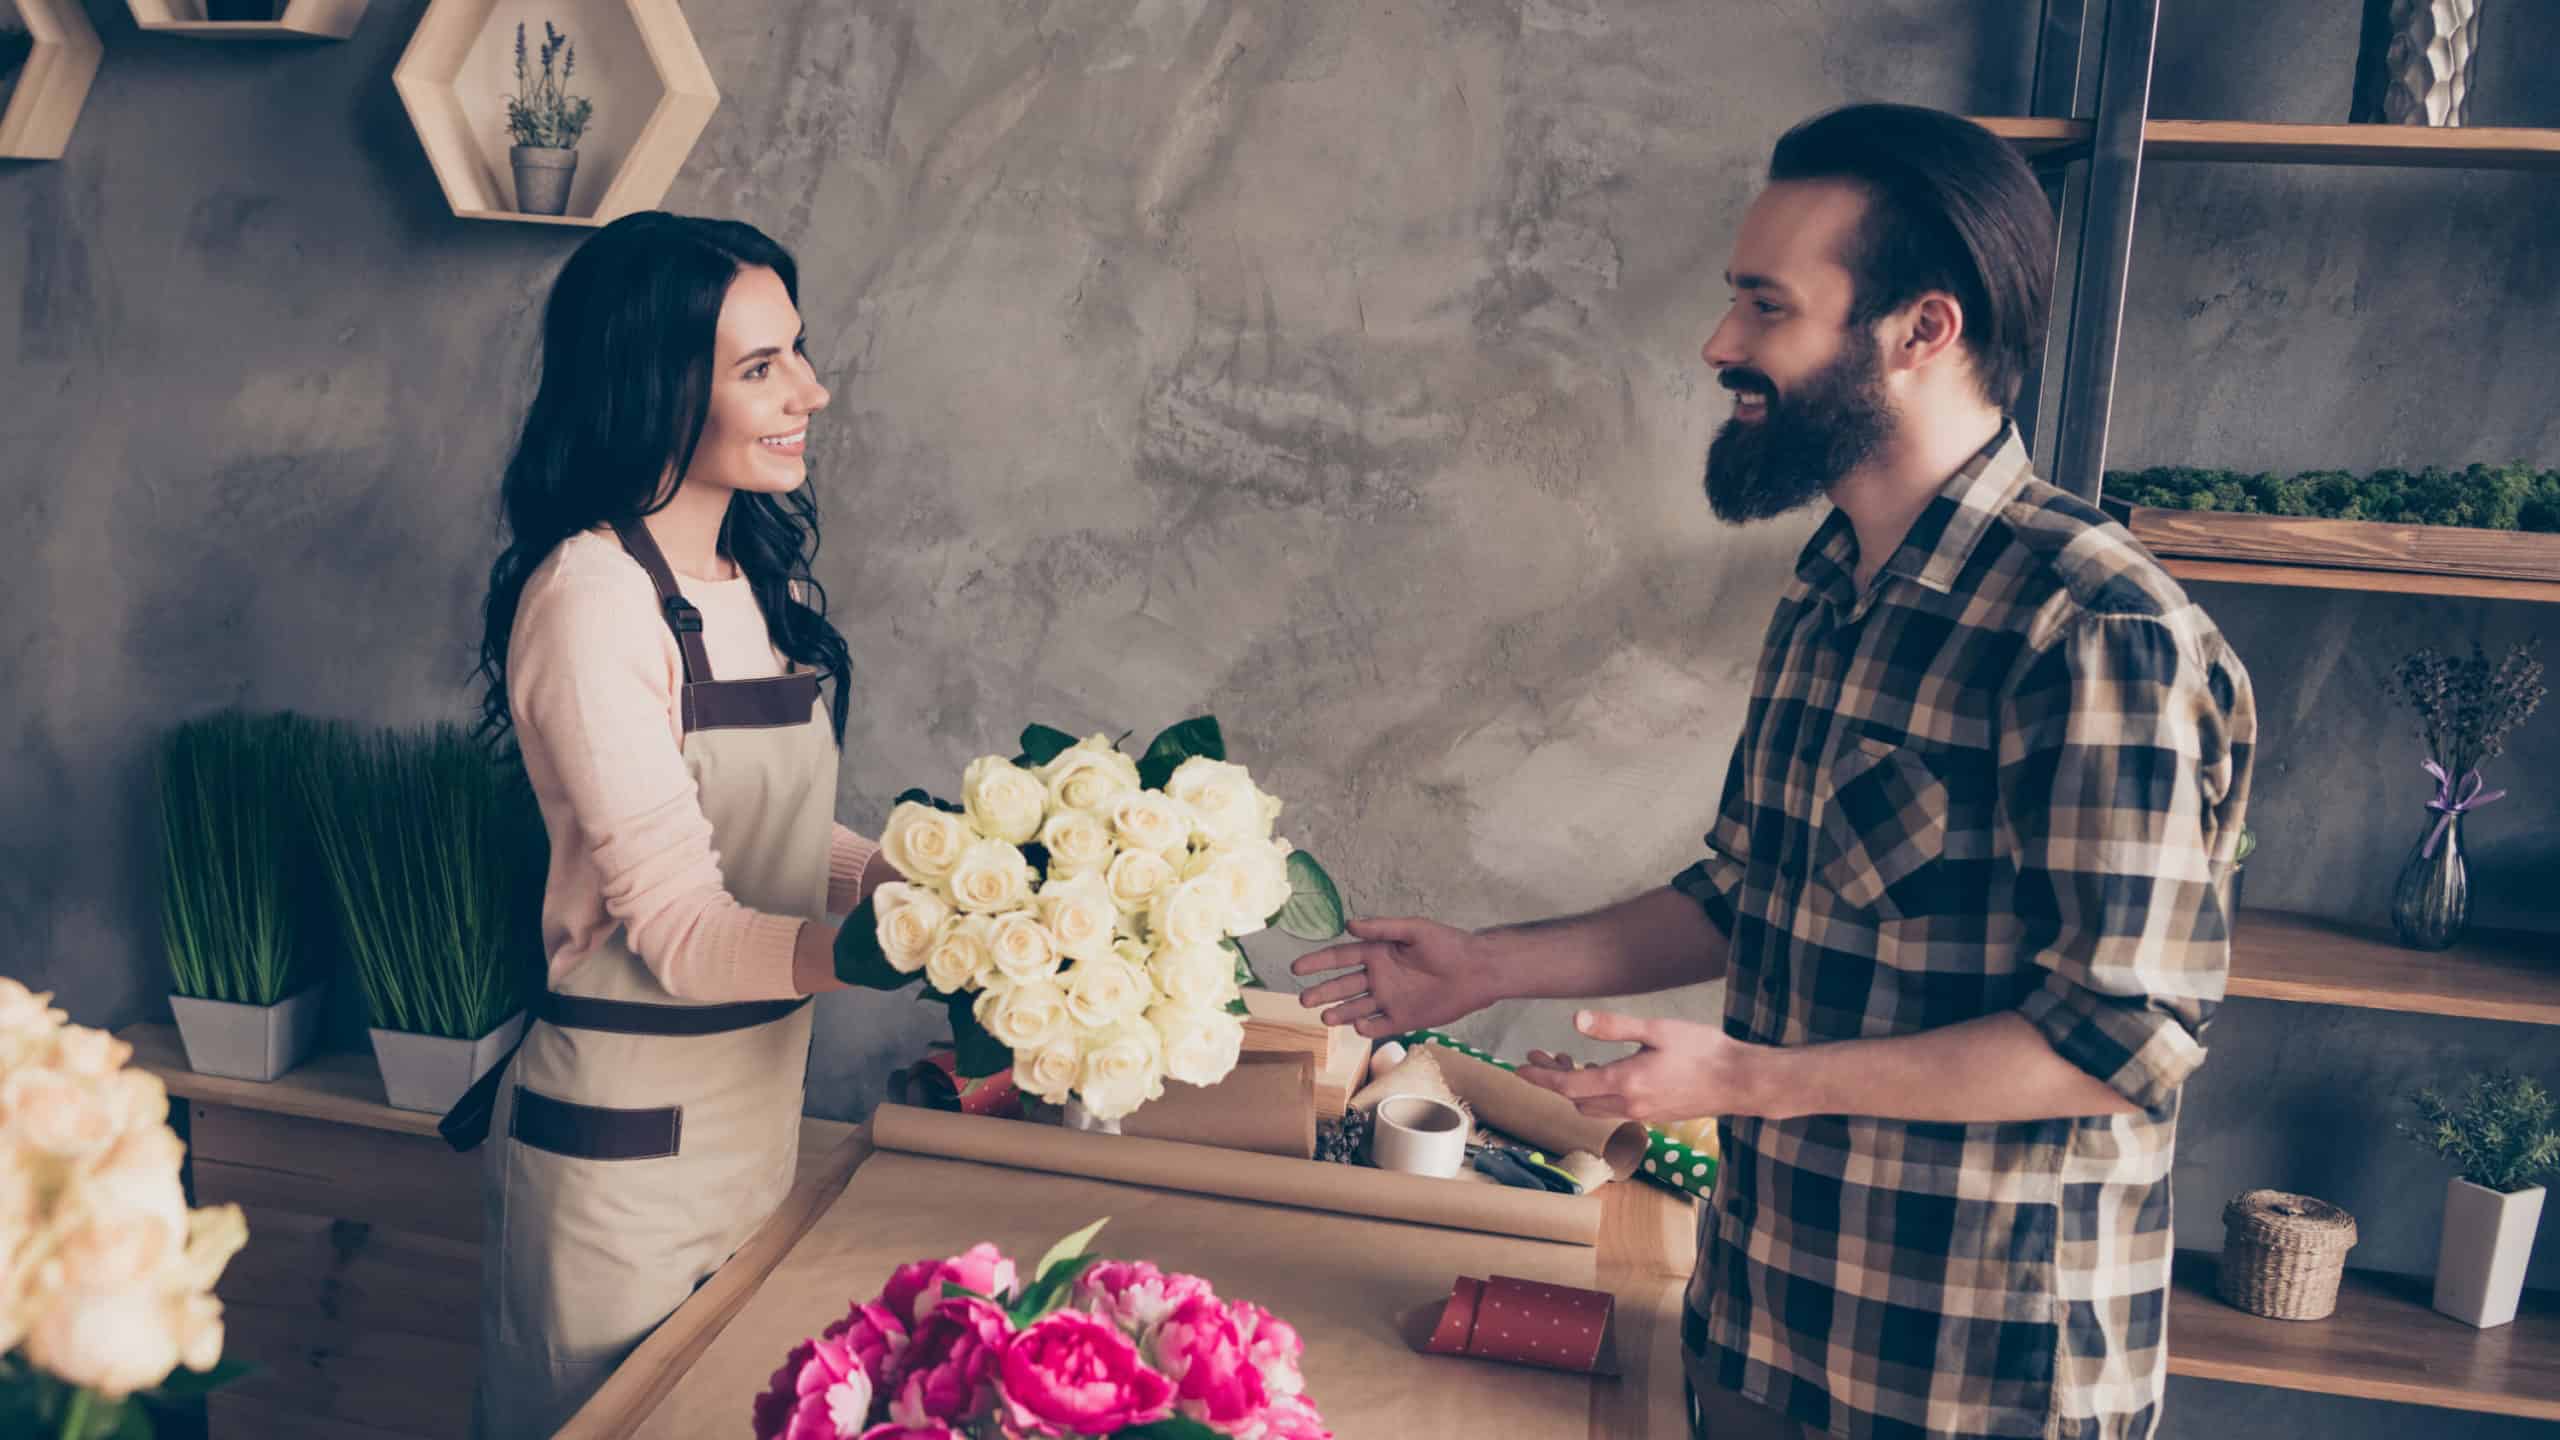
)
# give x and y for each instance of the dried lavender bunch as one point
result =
(2468, 706)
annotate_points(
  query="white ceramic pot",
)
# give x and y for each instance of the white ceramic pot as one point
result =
(1074, 1116)
(2488, 1236)
(430, 1072)
(249, 1042)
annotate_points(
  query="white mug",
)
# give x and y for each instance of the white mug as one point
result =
(1419, 1136)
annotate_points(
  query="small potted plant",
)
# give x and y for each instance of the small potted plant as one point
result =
(2466, 708)
(2501, 1131)
(434, 852)
(546, 122)
(235, 867)
(2231, 880)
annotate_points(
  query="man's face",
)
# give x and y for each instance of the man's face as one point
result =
(1809, 403)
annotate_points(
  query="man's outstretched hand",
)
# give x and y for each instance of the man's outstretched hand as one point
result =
(1399, 975)
(1680, 1070)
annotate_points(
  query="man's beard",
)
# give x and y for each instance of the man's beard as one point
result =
(1803, 443)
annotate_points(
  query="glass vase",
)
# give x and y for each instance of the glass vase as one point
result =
(2432, 902)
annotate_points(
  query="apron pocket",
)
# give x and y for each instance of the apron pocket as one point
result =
(595, 1132)
(1884, 830)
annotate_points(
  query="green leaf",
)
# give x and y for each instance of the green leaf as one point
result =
(1238, 1007)
(923, 797)
(1314, 908)
(1069, 1248)
(859, 958)
(1049, 1291)
(1192, 738)
(1244, 963)
(1173, 1427)
(1042, 744)
(187, 1384)
(977, 1052)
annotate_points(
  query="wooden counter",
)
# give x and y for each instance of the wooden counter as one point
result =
(1644, 1256)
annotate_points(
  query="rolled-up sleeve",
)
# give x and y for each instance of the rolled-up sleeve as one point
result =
(2123, 775)
(1715, 880)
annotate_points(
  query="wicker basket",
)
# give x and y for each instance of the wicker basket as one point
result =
(2282, 1254)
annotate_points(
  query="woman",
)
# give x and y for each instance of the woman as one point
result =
(656, 643)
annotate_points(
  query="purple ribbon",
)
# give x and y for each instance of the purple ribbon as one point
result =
(2447, 804)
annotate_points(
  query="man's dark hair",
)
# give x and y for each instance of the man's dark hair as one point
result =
(1950, 206)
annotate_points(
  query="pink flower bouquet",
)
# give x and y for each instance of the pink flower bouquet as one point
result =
(966, 1349)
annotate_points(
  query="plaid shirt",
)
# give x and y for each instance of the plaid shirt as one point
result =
(2005, 778)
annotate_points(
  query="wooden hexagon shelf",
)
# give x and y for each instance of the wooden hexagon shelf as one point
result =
(301, 20)
(635, 59)
(45, 101)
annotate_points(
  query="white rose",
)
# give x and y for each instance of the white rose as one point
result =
(25, 1011)
(1024, 1017)
(1224, 800)
(214, 1234)
(964, 957)
(1089, 775)
(1078, 844)
(199, 1332)
(911, 919)
(1103, 992)
(88, 1054)
(1254, 879)
(53, 1114)
(1081, 915)
(1203, 975)
(1003, 800)
(1123, 1069)
(1200, 1043)
(114, 1251)
(1136, 878)
(1151, 820)
(1022, 949)
(1191, 914)
(991, 878)
(1049, 1072)
(924, 843)
(112, 1341)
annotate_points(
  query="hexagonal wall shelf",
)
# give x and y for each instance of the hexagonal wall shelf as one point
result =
(45, 102)
(636, 61)
(301, 20)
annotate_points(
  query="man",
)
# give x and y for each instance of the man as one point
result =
(1962, 886)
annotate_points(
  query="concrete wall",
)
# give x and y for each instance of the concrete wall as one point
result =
(1331, 366)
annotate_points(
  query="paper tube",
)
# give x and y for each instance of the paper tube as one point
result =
(1520, 1322)
(1505, 1102)
(1266, 1104)
(1240, 1175)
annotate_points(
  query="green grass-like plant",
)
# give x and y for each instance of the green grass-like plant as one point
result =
(2500, 1130)
(2483, 497)
(434, 850)
(235, 911)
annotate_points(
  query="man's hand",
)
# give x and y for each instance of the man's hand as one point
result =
(1682, 1070)
(1403, 975)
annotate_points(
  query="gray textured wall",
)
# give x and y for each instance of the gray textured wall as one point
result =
(1328, 365)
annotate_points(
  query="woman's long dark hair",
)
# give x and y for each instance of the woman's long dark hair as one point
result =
(626, 385)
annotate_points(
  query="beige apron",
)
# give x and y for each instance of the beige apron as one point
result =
(645, 1137)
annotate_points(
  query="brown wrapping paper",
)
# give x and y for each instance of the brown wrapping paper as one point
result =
(1505, 1102)
(1520, 1322)
(1266, 1104)
(1241, 1175)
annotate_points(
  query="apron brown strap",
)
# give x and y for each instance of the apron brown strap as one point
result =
(682, 618)
(639, 1017)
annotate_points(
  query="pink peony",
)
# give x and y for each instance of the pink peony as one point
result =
(876, 1337)
(1202, 1348)
(1072, 1373)
(1272, 1344)
(983, 1269)
(820, 1393)
(917, 1432)
(1135, 1295)
(948, 1372)
(1294, 1419)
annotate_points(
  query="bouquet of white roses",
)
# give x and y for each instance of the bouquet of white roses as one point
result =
(106, 1277)
(1079, 911)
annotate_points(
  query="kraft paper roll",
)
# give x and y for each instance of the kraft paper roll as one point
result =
(1505, 1102)
(1240, 1175)
(1266, 1104)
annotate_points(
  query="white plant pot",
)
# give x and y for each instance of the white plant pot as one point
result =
(249, 1042)
(2488, 1236)
(1076, 1117)
(430, 1072)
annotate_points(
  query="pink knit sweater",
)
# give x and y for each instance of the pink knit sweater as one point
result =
(592, 675)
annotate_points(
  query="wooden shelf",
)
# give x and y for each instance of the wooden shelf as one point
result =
(45, 102)
(302, 20)
(2489, 976)
(2384, 582)
(2450, 147)
(637, 61)
(340, 1086)
(2384, 1343)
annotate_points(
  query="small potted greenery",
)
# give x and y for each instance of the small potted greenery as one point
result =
(434, 853)
(546, 122)
(2501, 1131)
(245, 982)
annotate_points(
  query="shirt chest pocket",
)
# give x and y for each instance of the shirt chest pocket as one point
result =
(1883, 837)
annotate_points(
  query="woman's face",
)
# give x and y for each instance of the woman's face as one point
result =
(762, 392)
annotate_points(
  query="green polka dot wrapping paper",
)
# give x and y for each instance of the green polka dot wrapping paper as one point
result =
(1667, 1161)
